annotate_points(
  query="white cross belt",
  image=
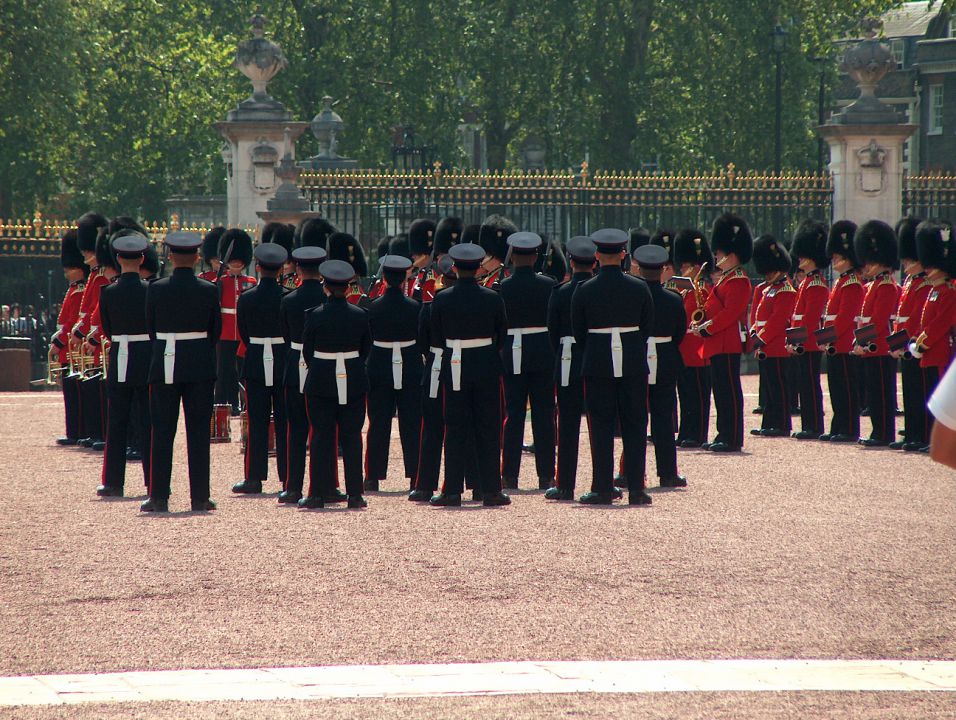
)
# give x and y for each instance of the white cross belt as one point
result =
(437, 352)
(457, 345)
(798, 317)
(652, 343)
(829, 318)
(268, 359)
(566, 342)
(303, 367)
(169, 354)
(617, 347)
(122, 352)
(341, 378)
(518, 334)
(396, 348)
(228, 311)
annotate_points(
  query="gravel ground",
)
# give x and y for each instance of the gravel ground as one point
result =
(790, 549)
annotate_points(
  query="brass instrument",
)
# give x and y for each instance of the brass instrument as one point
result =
(697, 317)
(54, 369)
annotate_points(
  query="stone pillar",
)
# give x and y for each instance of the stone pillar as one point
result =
(255, 132)
(866, 140)
(288, 205)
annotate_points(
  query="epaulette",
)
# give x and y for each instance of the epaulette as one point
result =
(817, 280)
(888, 280)
(787, 287)
(738, 272)
(853, 279)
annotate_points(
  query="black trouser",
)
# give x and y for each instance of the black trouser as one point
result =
(538, 388)
(608, 400)
(138, 408)
(432, 440)
(776, 408)
(473, 411)
(570, 409)
(810, 393)
(916, 417)
(297, 437)
(843, 385)
(693, 386)
(128, 408)
(791, 378)
(71, 407)
(332, 425)
(227, 373)
(91, 409)
(262, 404)
(881, 392)
(164, 402)
(383, 400)
(728, 399)
(661, 398)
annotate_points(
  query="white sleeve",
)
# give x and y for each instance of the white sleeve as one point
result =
(942, 403)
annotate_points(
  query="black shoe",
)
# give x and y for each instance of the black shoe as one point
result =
(202, 505)
(357, 501)
(872, 442)
(913, 446)
(133, 455)
(98, 445)
(557, 493)
(865, 412)
(638, 497)
(527, 448)
(795, 410)
(705, 446)
(66, 441)
(722, 447)
(804, 435)
(617, 492)
(370, 485)
(758, 410)
(509, 482)
(108, 491)
(898, 445)
(235, 411)
(498, 498)
(595, 498)
(476, 495)
(676, 481)
(924, 449)
(419, 496)
(756, 431)
(687, 444)
(445, 500)
(843, 438)
(156, 505)
(336, 496)
(825, 437)
(773, 432)
(248, 487)
(289, 497)
(85, 442)
(545, 483)
(311, 502)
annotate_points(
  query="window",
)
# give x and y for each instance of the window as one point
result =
(935, 125)
(897, 47)
(951, 29)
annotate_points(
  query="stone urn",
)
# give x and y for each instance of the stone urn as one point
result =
(867, 63)
(259, 59)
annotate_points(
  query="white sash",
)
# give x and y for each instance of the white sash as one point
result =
(396, 348)
(268, 359)
(518, 334)
(341, 378)
(652, 343)
(566, 342)
(303, 367)
(617, 347)
(437, 352)
(169, 354)
(122, 353)
(457, 345)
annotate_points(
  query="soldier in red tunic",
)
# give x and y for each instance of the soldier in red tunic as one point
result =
(235, 250)
(75, 270)
(421, 240)
(493, 238)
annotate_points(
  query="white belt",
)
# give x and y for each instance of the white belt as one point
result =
(760, 323)
(517, 334)
(169, 354)
(396, 348)
(652, 343)
(457, 345)
(303, 367)
(437, 352)
(268, 359)
(82, 315)
(566, 342)
(228, 311)
(864, 319)
(341, 378)
(122, 352)
(617, 348)
(829, 318)
(902, 318)
(798, 317)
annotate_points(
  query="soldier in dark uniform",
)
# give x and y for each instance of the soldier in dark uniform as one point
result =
(292, 313)
(528, 363)
(468, 323)
(567, 367)
(611, 316)
(335, 343)
(663, 361)
(235, 249)
(261, 332)
(394, 375)
(183, 320)
(123, 318)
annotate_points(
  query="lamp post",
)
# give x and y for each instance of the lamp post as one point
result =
(778, 37)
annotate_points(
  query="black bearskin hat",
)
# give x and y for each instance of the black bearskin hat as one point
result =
(382, 249)
(495, 231)
(691, 246)
(664, 237)
(241, 246)
(278, 233)
(151, 260)
(840, 241)
(471, 234)
(104, 253)
(770, 255)
(210, 244)
(86, 229)
(810, 241)
(906, 234)
(551, 260)
(875, 242)
(343, 246)
(70, 255)
(399, 246)
(315, 232)
(731, 234)
(936, 246)
(125, 222)
(449, 232)
(421, 236)
(637, 237)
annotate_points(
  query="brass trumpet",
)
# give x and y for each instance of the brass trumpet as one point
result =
(54, 369)
(697, 317)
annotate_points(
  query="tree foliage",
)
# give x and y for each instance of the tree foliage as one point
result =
(110, 103)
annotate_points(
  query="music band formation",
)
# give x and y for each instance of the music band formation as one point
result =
(464, 328)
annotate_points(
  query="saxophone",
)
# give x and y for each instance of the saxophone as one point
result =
(697, 317)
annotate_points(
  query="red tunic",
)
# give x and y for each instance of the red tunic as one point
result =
(843, 308)
(939, 324)
(773, 317)
(912, 299)
(423, 285)
(69, 313)
(209, 275)
(496, 275)
(725, 312)
(812, 299)
(91, 297)
(692, 346)
(879, 304)
(230, 288)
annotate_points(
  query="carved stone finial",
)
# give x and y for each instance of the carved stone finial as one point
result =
(871, 27)
(867, 63)
(258, 22)
(259, 59)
